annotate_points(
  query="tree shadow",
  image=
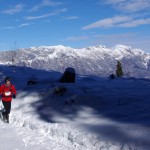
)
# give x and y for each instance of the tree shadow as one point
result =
(119, 101)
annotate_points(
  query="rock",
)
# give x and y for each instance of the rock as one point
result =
(68, 76)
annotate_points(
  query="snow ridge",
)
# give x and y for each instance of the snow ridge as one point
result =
(94, 60)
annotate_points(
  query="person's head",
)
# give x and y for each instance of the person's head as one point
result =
(7, 80)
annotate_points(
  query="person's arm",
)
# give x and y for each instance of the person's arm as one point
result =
(1, 87)
(14, 90)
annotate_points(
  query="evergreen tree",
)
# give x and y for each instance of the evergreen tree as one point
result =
(119, 71)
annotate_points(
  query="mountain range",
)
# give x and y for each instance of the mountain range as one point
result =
(94, 60)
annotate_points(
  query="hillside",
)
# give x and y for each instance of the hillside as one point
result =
(100, 114)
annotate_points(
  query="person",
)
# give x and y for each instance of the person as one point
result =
(7, 91)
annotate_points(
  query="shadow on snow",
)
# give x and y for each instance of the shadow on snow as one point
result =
(124, 101)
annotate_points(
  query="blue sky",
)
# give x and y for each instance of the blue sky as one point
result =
(74, 23)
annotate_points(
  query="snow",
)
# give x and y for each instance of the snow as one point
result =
(100, 114)
(94, 60)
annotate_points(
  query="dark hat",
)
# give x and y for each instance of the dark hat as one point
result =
(7, 79)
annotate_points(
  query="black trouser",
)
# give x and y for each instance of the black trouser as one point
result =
(7, 106)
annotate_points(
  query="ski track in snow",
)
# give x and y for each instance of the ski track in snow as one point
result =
(58, 135)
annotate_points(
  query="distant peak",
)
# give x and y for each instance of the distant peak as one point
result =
(125, 47)
(97, 46)
(58, 46)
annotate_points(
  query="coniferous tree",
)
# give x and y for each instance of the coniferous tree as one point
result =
(119, 71)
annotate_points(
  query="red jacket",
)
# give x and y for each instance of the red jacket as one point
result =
(7, 92)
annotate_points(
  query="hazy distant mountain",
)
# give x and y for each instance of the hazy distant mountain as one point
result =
(94, 60)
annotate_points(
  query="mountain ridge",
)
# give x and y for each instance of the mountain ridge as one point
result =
(93, 60)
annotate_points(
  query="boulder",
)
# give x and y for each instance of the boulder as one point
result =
(68, 76)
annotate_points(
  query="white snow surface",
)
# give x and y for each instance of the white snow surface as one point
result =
(100, 114)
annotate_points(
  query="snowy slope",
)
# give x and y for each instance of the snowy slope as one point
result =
(106, 114)
(94, 60)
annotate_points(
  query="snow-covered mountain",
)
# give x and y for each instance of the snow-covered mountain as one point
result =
(94, 60)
